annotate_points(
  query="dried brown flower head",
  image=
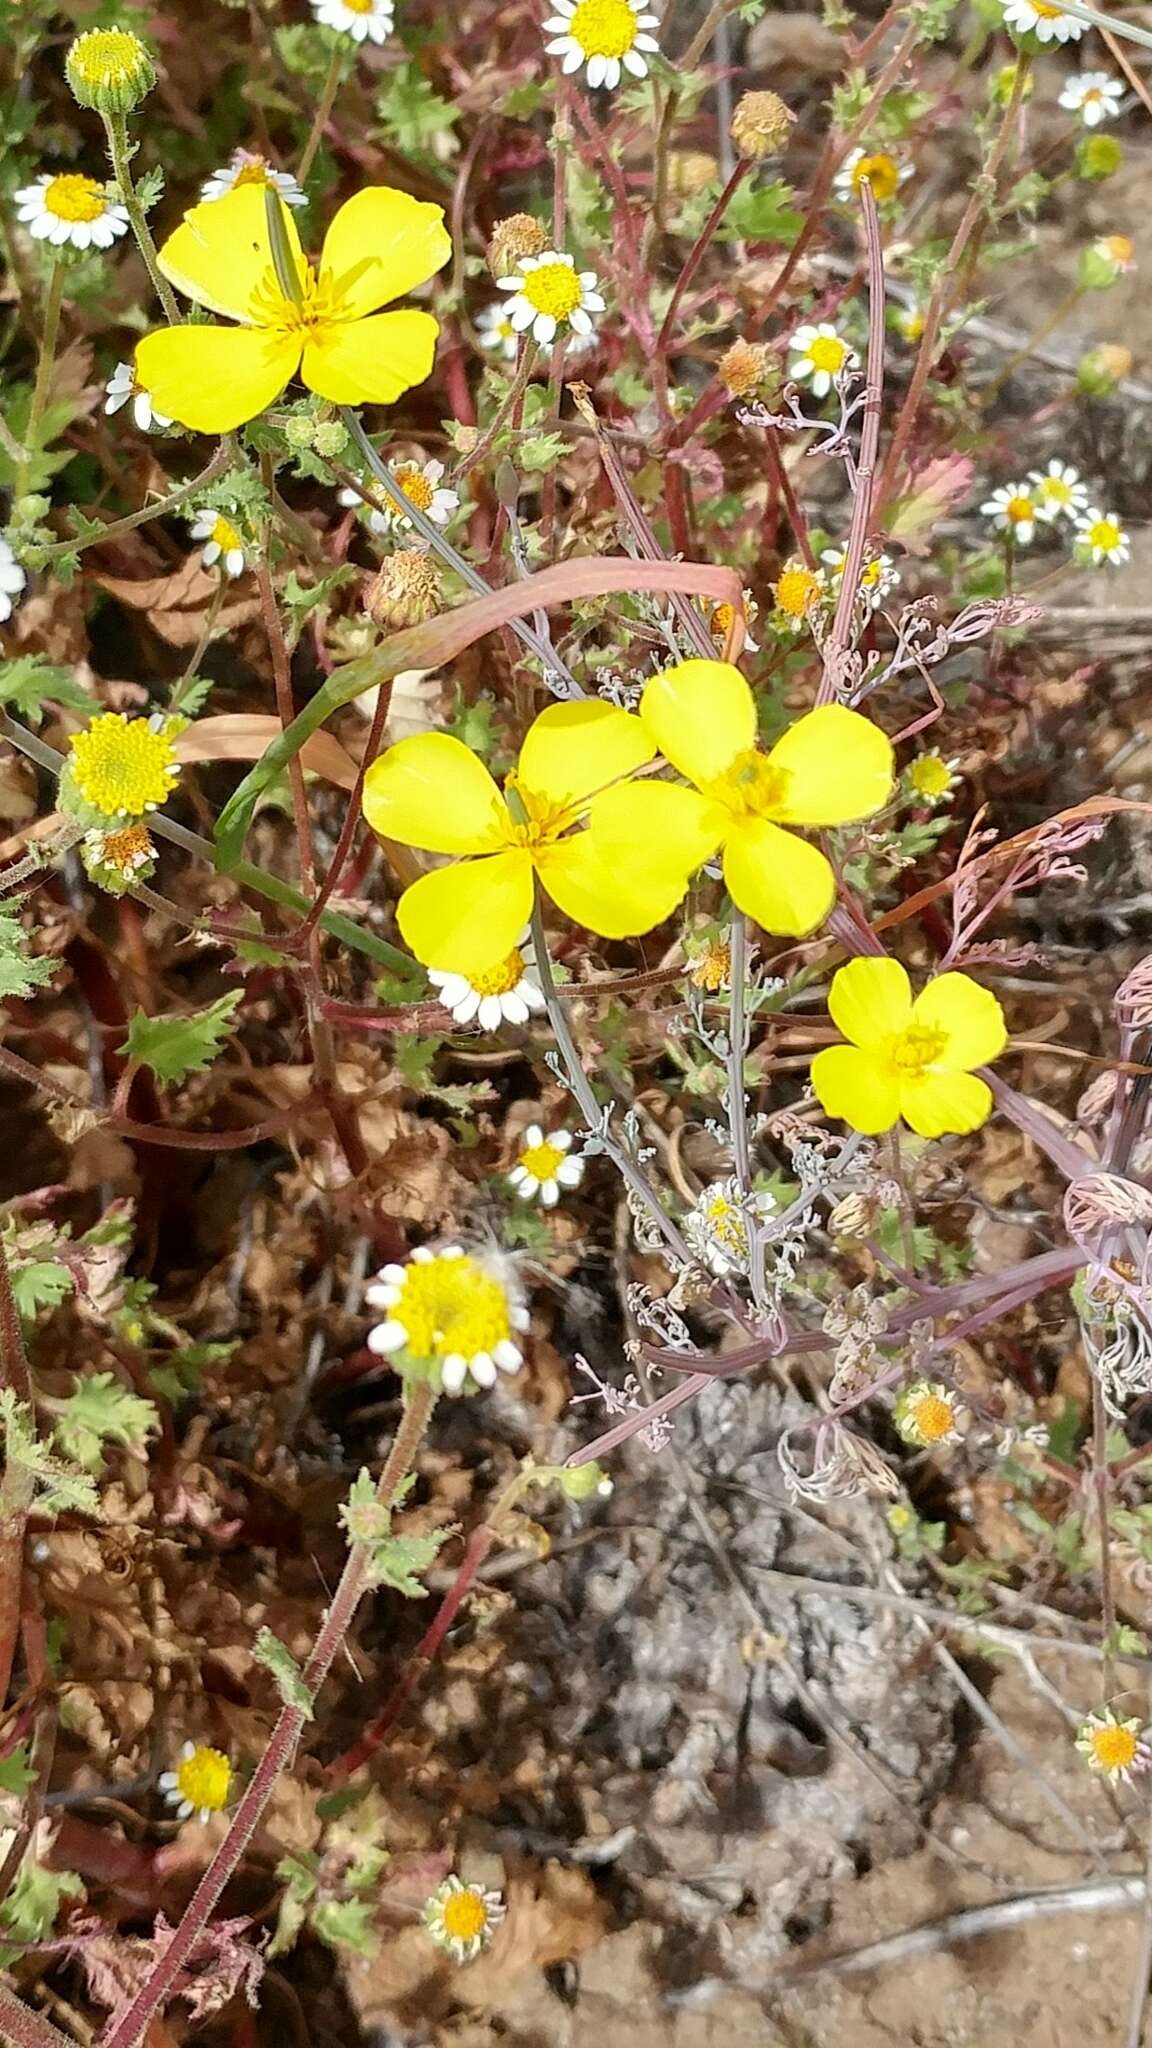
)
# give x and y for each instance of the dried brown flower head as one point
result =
(761, 124)
(406, 591)
(743, 367)
(691, 171)
(516, 236)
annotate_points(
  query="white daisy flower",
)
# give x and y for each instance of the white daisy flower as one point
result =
(506, 994)
(1100, 536)
(1094, 95)
(819, 355)
(245, 167)
(543, 1168)
(200, 1784)
(1114, 1747)
(878, 577)
(12, 580)
(547, 290)
(460, 1917)
(450, 1315)
(1013, 509)
(603, 35)
(357, 18)
(420, 483)
(716, 1228)
(121, 387)
(494, 330)
(1040, 18)
(1058, 491)
(883, 172)
(222, 542)
(70, 209)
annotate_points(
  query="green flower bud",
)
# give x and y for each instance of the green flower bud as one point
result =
(109, 69)
(300, 432)
(1003, 83)
(1102, 369)
(331, 437)
(116, 860)
(1098, 156)
(580, 1482)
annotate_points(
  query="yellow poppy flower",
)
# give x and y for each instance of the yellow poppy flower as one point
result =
(431, 791)
(908, 1059)
(831, 768)
(380, 244)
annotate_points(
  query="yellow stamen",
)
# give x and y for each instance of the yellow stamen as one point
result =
(912, 1052)
(464, 1916)
(75, 198)
(554, 288)
(204, 1778)
(603, 28)
(499, 981)
(750, 786)
(542, 1160)
(415, 486)
(827, 353)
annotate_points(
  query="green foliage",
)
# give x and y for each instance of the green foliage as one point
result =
(277, 1658)
(393, 1560)
(175, 1047)
(56, 1485)
(100, 1411)
(42, 1283)
(29, 685)
(930, 1254)
(416, 120)
(1098, 157)
(30, 1910)
(15, 1772)
(20, 971)
(762, 213)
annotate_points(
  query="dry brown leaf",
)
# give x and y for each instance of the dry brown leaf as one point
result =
(554, 1914)
(245, 736)
(177, 604)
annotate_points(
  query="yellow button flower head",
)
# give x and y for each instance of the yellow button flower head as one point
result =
(1114, 1747)
(200, 1783)
(381, 244)
(123, 767)
(431, 791)
(831, 768)
(908, 1059)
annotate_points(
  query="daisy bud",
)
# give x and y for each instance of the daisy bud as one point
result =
(1103, 368)
(330, 438)
(743, 367)
(299, 433)
(406, 591)
(580, 1482)
(109, 69)
(761, 124)
(518, 235)
(691, 171)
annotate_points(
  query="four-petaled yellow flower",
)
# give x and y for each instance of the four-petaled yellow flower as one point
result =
(908, 1059)
(431, 791)
(381, 244)
(831, 768)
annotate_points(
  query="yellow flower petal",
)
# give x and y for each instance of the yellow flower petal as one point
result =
(870, 1000)
(658, 823)
(701, 715)
(781, 881)
(379, 245)
(462, 918)
(857, 1088)
(588, 882)
(432, 791)
(221, 254)
(572, 750)
(840, 768)
(937, 1103)
(371, 362)
(215, 378)
(970, 1015)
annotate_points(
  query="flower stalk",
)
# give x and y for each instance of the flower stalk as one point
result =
(116, 129)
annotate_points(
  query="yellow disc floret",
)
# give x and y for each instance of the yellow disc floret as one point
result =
(930, 777)
(542, 1160)
(827, 352)
(797, 590)
(925, 1414)
(204, 1779)
(415, 485)
(553, 288)
(73, 197)
(882, 173)
(1111, 1745)
(465, 1916)
(603, 28)
(122, 767)
(110, 69)
(501, 980)
(448, 1316)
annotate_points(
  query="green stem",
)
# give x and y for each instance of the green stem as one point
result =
(48, 333)
(332, 86)
(116, 128)
(159, 509)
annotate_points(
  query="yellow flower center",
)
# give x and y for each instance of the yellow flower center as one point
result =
(912, 324)
(1104, 533)
(464, 1916)
(415, 485)
(603, 28)
(912, 1052)
(827, 352)
(452, 1306)
(541, 1160)
(255, 173)
(1114, 1747)
(798, 588)
(932, 1418)
(204, 1778)
(312, 316)
(710, 969)
(930, 776)
(532, 820)
(555, 287)
(127, 848)
(225, 535)
(727, 1224)
(106, 56)
(1019, 510)
(120, 765)
(750, 786)
(1046, 11)
(499, 981)
(75, 198)
(882, 172)
(1118, 249)
(1055, 491)
(359, 6)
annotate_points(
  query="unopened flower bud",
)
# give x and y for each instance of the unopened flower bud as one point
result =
(330, 437)
(1103, 368)
(761, 124)
(516, 236)
(580, 1482)
(743, 367)
(856, 1216)
(406, 591)
(691, 171)
(299, 432)
(109, 69)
